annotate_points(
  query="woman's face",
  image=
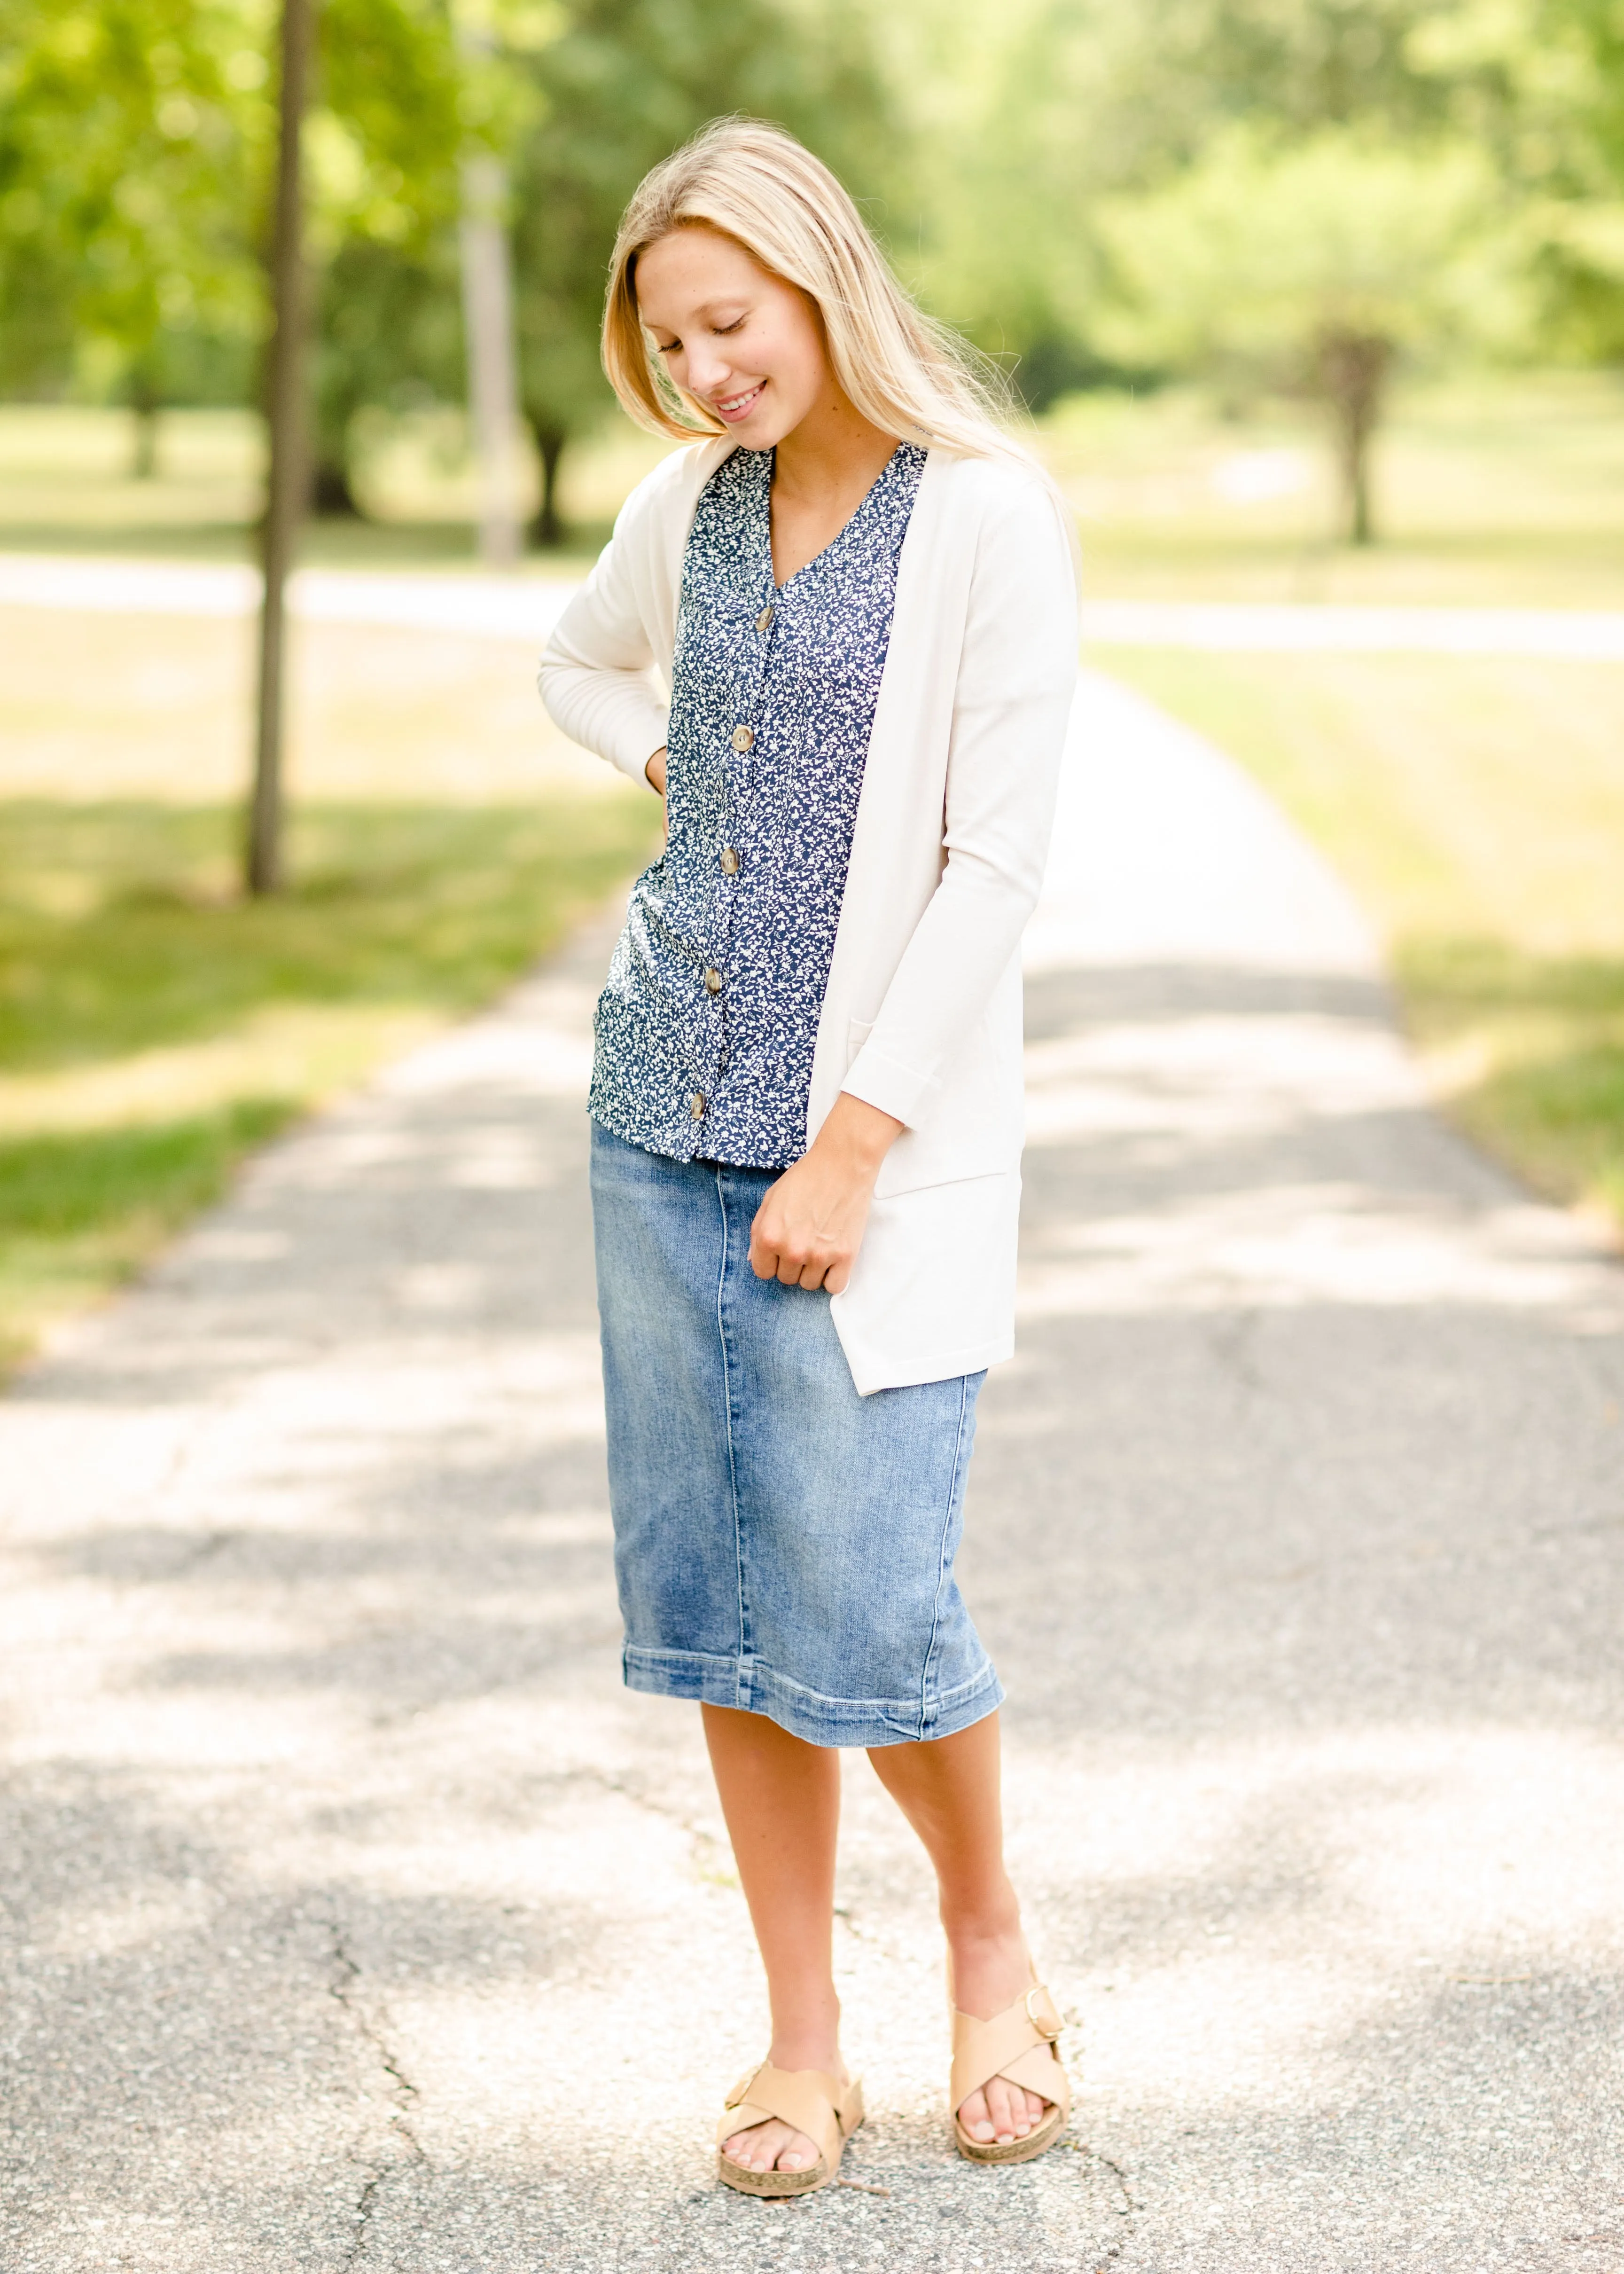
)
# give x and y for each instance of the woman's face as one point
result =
(744, 343)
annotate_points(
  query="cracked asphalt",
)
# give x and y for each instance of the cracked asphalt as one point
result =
(354, 1915)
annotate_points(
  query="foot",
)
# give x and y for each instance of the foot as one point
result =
(988, 1974)
(774, 2145)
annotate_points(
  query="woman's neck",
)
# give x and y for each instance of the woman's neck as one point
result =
(833, 451)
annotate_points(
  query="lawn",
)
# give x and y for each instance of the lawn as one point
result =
(154, 1025)
(1477, 808)
(1493, 492)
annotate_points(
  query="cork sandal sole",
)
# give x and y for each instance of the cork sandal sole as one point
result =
(826, 2110)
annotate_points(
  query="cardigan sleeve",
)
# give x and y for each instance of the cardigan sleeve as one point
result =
(596, 676)
(1016, 678)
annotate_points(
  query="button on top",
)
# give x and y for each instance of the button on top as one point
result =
(713, 981)
(743, 740)
(765, 618)
(729, 860)
(697, 1107)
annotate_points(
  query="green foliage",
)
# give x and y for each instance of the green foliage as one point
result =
(1247, 260)
(135, 144)
(131, 134)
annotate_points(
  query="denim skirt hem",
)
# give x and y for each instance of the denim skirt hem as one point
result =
(749, 1687)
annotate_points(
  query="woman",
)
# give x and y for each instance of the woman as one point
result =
(806, 1095)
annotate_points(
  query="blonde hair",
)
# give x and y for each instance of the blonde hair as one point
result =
(908, 375)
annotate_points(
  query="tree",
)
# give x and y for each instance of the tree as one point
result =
(619, 88)
(133, 136)
(1057, 107)
(135, 154)
(384, 143)
(1312, 266)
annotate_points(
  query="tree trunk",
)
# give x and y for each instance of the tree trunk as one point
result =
(288, 484)
(1353, 369)
(547, 528)
(144, 456)
(492, 370)
(330, 492)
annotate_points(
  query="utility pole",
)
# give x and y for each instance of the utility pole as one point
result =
(487, 319)
(285, 413)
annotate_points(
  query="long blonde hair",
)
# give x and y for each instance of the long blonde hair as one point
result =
(907, 375)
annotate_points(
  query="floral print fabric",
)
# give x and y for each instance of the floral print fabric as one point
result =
(706, 1026)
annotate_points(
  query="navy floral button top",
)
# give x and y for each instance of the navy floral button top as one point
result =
(706, 1027)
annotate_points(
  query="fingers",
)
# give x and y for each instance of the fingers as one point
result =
(796, 1263)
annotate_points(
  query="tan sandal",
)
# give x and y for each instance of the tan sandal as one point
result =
(828, 2113)
(1019, 2045)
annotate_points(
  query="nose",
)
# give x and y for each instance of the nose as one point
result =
(707, 371)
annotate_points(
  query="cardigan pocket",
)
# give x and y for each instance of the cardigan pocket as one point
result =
(976, 1128)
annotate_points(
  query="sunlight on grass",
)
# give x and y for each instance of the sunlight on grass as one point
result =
(1498, 490)
(1476, 806)
(154, 1025)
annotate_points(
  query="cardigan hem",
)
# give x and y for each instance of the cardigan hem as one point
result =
(872, 1370)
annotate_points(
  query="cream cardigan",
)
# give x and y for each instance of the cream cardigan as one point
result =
(923, 1013)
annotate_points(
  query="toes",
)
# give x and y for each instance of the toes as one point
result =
(976, 2118)
(800, 2155)
(768, 2146)
(1007, 2107)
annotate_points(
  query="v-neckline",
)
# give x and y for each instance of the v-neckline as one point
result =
(847, 526)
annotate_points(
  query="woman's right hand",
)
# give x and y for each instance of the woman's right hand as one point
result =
(656, 772)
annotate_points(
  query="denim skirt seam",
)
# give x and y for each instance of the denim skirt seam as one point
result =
(944, 1566)
(730, 1419)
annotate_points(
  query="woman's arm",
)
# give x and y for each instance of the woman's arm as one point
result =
(596, 678)
(1012, 699)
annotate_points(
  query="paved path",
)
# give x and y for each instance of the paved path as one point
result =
(473, 603)
(354, 1912)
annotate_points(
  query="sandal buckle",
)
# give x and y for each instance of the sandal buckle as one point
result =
(1043, 2027)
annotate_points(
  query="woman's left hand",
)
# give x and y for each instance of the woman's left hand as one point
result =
(808, 1229)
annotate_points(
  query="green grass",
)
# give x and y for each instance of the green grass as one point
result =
(154, 1025)
(1496, 491)
(1477, 808)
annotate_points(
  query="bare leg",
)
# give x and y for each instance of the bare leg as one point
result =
(948, 1789)
(781, 1799)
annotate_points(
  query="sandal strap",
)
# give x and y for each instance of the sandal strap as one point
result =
(805, 2098)
(1017, 2045)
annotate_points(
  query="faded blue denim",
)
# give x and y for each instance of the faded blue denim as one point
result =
(782, 1545)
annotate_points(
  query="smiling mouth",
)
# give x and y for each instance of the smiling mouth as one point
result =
(739, 406)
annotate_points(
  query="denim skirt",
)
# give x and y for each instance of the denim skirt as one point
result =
(782, 1545)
